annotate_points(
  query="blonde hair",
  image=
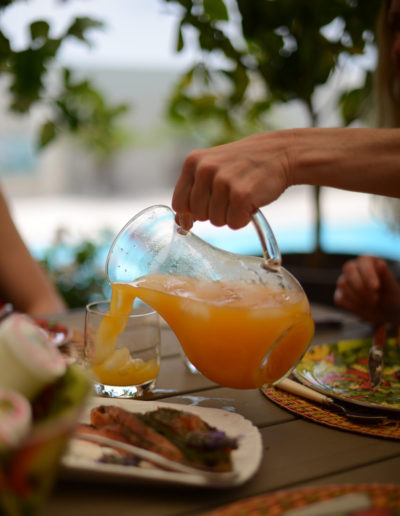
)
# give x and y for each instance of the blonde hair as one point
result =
(387, 88)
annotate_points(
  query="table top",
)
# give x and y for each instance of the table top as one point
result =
(296, 452)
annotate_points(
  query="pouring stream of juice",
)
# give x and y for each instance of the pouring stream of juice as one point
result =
(112, 365)
(240, 335)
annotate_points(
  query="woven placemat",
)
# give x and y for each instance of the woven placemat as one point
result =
(384, 497)
(388, 429)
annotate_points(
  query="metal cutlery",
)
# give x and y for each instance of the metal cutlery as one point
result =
(375, 357)
(305, 392)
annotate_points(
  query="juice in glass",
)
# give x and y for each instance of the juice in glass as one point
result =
(122, 347)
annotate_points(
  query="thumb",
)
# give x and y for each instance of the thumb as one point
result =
(388, 280)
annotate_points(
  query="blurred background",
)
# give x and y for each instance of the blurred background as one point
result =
(101, 101)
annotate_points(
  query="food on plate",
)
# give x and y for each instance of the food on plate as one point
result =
(124, 426)
(28, 360)
(15, 419)
(174, 434)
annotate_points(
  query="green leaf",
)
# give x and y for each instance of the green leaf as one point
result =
(4, 3)
(39, 29)
(80, 25)
(215, 10)
(240, 80)
(27, 69)
(50, 47)
(5, 47)
(180, 42)
(65, 76)
(47, 133)
(355, 104)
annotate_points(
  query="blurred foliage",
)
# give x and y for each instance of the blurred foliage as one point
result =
(77, 270)
(81, 110)
(74, 107)
(282, 51)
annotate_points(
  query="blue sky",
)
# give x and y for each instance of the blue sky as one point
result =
(137, 33)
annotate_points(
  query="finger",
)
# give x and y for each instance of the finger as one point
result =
(181, 196)
(241, 201)
(370, 269)
(202, 188)
(354, 298)
(365, 313)
(218, 205)
(199, 200)
(237, 218)
(184, 220)
(388, 280)
(346, 286)
(340, 300)
(345, 298)
(353, 277)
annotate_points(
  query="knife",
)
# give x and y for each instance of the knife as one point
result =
(359, 416)
(375, 357)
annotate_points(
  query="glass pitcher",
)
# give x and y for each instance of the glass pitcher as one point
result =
(243, 321)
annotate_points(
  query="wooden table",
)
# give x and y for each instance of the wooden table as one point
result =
(297, 452)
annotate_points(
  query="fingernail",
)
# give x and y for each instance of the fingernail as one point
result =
(185, 221)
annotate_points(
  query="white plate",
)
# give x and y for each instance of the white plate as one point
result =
(246, 459)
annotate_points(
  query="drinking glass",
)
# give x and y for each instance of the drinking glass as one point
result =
(122, 350)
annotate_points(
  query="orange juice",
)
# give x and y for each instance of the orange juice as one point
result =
(112, 365)
(240, 335)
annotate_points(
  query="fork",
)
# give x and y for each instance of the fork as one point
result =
(305, 392)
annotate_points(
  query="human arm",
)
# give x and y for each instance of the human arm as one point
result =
(368, 288)
(22, 281)
(228, 183)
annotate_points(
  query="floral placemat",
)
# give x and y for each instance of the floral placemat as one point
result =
(384, 500)
(389, 429)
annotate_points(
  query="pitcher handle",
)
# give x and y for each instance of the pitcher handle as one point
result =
(270, 249)
(271, 253)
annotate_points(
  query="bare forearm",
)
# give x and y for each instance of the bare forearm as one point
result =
(26, 285)
(41, 296)
(364, 160)
(22, 281)
(226, 184)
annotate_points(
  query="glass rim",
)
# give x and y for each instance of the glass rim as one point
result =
(91, 308)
